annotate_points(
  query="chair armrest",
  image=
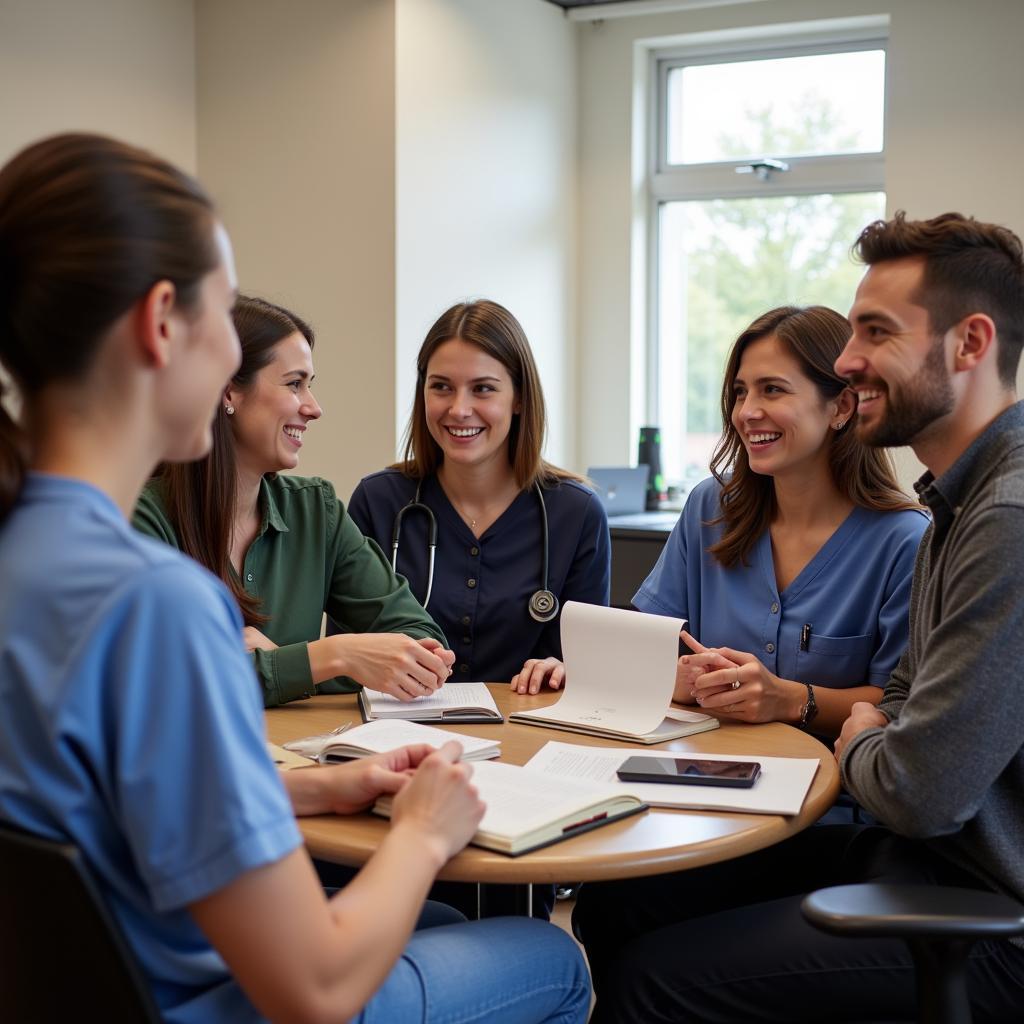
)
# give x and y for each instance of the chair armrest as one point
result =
(913, 911)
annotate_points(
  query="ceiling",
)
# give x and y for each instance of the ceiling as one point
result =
(584, 3)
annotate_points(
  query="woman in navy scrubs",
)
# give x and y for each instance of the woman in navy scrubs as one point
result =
(516, 536)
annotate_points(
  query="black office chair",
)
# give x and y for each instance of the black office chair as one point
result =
(939, 924)
(62, 955)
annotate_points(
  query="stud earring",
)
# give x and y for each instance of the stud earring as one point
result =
(230, 410)
(839, 425)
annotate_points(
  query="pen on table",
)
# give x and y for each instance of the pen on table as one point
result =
(805, 637)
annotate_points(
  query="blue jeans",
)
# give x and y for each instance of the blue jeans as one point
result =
(505, 970)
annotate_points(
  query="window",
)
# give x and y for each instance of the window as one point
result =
(767, 165)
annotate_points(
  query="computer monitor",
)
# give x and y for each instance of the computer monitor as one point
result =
(622, 489)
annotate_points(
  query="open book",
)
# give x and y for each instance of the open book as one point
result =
(525, 811)
(285, 760)
(453, 702)
(346, 743)
(620, 671)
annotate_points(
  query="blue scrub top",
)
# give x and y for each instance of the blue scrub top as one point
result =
(482, 586)
(132, 726)
(854, 594)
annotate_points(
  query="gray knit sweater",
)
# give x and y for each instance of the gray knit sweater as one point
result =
(949, 768)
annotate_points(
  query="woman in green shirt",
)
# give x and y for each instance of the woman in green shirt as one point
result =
(285, 545)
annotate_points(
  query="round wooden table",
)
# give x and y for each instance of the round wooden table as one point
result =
(654, 842)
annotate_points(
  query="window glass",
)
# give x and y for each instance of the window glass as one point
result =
(813, 105)
(723, 262)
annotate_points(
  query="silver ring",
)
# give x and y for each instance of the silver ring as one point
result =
(736, 681)
(735, 685)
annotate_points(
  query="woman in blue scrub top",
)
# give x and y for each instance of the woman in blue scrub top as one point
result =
(792, 563)
(473, 466)
(124, 730)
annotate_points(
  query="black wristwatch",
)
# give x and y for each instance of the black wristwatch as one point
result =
(810, 710)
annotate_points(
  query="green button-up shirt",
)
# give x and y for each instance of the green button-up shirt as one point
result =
(308, 558)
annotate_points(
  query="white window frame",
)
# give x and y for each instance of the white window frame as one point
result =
(836, 174)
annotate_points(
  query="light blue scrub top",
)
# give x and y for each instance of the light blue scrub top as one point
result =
(854, 594)
(132, 725)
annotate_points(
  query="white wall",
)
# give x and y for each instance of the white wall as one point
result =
(953, 140)
(296, 142)
(121, 67)
(124, 68)
(486, 165)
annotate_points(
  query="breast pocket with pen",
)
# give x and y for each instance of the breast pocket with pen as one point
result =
(837, 661)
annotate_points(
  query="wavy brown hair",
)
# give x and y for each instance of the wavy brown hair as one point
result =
(494, 329)
(814, 336)
(200, 497)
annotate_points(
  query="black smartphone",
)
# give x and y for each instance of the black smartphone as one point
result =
(690, 771)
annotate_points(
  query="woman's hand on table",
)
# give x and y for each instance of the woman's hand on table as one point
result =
(535, 671)
(736, 685)
(356, 785)
(392, 662)
(439, 805)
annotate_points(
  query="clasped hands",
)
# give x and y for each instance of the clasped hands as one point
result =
(403, 666)
(432, 789)
(709, 677)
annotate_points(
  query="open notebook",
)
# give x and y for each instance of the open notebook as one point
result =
(377, 737)
(620, 671)
(525, 811)
(453, 702)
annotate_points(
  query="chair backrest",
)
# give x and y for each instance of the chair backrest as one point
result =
(62, 955)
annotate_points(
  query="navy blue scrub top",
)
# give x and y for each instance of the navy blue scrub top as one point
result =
(854, 594)
(482, 586)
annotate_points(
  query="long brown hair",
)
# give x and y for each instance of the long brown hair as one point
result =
(200, 497)
(494, 329)
(814, 336)
(88, 226)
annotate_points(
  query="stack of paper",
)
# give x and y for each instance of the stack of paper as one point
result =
(780, 789)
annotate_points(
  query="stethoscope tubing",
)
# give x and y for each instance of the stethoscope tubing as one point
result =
(543, 605)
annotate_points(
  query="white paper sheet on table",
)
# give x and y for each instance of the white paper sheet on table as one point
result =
(620, 669)
(781, 788)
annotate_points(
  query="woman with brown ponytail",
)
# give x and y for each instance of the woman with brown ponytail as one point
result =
(124, 729)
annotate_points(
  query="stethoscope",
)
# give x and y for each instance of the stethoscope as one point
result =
(543, 605)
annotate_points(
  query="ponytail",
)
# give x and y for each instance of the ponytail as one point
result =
(87, 226)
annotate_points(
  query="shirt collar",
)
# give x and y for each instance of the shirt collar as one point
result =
(271, 513)
(50, 486)
(987, 450)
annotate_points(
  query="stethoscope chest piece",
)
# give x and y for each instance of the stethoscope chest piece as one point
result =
(543, 606)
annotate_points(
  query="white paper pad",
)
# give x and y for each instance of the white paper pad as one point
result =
(619, 669)
(781, 788)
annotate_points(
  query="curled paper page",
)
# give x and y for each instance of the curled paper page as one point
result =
(620, 669)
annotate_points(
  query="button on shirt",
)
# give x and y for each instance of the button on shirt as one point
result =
(482, 586)
(854, 594)
(119, 734)
(308, 558)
